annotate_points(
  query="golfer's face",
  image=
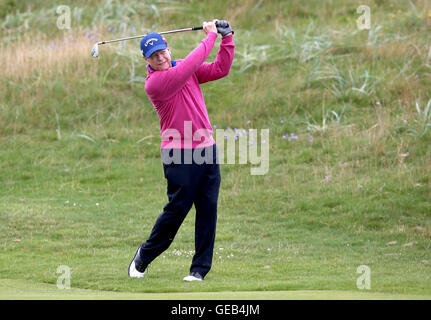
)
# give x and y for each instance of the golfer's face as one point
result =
(160, 60)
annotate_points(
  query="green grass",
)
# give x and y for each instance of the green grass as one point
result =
(81, 175)
(23, 290)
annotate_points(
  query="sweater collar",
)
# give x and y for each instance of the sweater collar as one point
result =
(173, 62)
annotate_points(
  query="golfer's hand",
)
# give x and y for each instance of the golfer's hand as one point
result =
(223, 27)
(209, 26)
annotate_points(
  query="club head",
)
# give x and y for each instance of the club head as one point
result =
(95, 50)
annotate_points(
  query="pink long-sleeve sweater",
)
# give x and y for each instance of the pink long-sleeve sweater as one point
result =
(177, 96)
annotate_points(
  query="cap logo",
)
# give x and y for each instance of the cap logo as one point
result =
(150, 42)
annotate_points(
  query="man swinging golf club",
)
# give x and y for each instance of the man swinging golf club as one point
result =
(174, 89)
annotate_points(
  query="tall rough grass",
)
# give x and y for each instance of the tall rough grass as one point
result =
(42, 58)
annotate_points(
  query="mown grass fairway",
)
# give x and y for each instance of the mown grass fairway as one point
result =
(22, 289)
(349, 116)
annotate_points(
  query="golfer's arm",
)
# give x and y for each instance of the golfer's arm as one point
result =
(221, 66)
(164, 84)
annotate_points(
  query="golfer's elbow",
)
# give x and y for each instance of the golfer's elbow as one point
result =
(225, 71)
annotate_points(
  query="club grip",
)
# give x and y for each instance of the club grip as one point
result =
(201, 27)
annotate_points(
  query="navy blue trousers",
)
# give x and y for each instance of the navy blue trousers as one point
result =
(188, 183)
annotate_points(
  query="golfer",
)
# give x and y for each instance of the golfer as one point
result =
(186, 133)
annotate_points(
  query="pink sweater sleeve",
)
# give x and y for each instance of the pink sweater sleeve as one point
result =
(222, 64)
(164, 84)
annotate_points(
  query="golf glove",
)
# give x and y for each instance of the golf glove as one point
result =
(223, 27)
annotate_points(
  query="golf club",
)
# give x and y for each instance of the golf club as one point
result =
(95, 49)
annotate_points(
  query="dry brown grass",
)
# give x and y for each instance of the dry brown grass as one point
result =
(39, 57)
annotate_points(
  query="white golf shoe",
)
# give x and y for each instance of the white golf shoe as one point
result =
(193, 276)
(136, 269)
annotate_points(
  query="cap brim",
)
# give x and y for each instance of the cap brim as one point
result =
(154, 49)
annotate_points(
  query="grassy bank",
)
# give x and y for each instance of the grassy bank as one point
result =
(350, 127)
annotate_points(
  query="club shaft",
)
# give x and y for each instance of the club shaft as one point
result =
(143, 35)
(178, 30)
